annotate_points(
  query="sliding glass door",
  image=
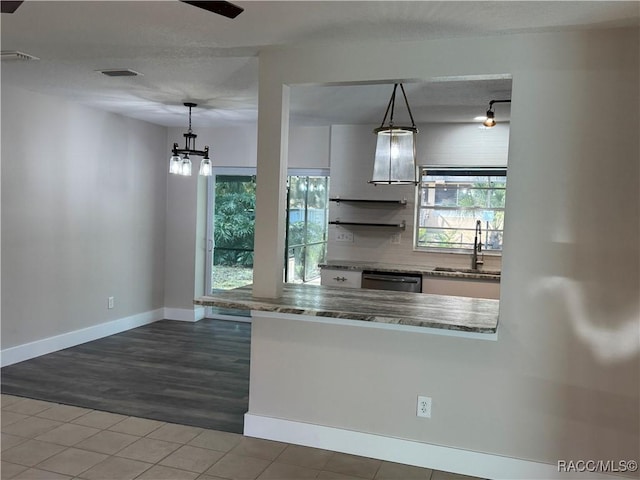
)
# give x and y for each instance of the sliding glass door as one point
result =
(231, 258)
(231, 227)
(307, 215)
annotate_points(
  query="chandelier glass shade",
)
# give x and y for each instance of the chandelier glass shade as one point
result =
(182, 165)
(175, 164)
(206, 168)
(395, 157)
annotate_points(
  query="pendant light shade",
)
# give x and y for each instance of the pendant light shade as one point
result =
(206, 168)
(185, 166)
(175, 164)
(490, 120)
(395, 158)
(182, 166)
(394, 162)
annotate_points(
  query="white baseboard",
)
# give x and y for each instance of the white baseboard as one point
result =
(184, 314)
(20, 353)
(436, 457)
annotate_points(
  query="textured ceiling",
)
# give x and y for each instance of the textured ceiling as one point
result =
(186, 53)
(443, 101)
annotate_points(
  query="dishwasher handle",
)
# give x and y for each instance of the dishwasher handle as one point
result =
(386, 278)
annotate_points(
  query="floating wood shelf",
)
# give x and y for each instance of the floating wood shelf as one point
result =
(401, 225)
(364, 200)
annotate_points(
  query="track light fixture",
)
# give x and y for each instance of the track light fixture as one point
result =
(490, 121)
(395, 160)
(182, 166)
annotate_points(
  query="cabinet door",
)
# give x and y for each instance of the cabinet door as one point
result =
(340, 278)
(460, 287)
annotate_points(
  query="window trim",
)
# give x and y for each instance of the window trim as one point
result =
(500, 170)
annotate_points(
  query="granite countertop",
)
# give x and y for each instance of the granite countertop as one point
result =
(431, 270)
(415, 309)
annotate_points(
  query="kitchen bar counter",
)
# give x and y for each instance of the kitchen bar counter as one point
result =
(461, 273)
(398, 308)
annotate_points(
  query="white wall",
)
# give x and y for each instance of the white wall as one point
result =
(462, 144)
(352, 152)
(562, 381)
(228, 146)
(237, 146)
(309, 147)
(83, 216)
(185, 242)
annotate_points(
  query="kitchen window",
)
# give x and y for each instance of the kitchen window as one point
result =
(450, 202)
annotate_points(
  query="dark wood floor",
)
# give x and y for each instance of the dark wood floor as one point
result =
(189, 373)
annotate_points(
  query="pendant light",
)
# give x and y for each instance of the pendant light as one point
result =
(395, 159)
(490, 121)
(182, 165)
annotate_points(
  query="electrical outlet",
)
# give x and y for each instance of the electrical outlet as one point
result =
(424, 407)
(395, 238)
(111, 302)
(344, 237)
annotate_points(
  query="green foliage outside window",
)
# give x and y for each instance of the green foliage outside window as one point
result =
(235, 204)
(234, 231)
(451, 202)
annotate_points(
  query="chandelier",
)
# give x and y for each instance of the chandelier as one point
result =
(182, 165)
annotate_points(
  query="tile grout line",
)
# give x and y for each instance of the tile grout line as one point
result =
(168, 439)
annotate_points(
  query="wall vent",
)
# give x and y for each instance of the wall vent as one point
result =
(119, 72)
(15, 55)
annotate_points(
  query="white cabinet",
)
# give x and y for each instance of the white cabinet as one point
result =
(461, 287)
(340, 278)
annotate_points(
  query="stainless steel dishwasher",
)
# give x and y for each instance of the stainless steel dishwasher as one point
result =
(399, 282)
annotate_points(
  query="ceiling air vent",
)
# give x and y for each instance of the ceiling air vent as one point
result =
(118, 72)
(15, 55)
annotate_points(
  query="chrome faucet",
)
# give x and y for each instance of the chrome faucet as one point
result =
(477, 247)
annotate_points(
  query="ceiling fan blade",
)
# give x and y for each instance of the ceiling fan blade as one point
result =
(226, 9)
(10, 7)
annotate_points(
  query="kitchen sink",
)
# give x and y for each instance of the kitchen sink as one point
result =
(467, 270)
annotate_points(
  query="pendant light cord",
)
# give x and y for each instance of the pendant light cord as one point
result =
(392, 105)
(413, 124)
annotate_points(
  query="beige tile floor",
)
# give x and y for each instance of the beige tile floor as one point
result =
(48, 441)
